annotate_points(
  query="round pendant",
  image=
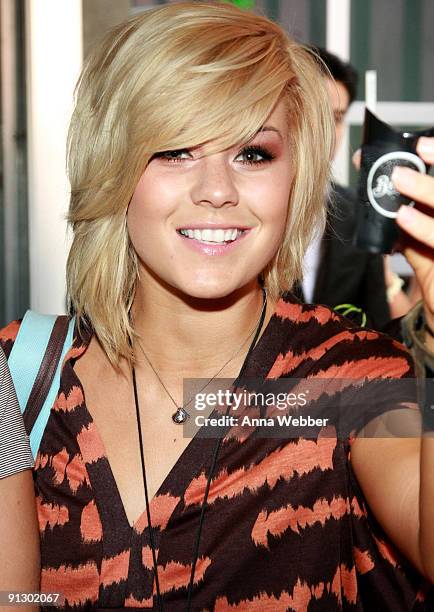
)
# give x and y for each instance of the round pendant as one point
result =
(180, 416)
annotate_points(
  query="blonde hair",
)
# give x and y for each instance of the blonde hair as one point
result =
(173, 78)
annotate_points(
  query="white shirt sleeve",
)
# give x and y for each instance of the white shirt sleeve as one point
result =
(311, 263)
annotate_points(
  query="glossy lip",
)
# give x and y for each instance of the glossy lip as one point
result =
(211, 249)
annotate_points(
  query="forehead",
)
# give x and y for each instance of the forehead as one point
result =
(278, 117)
(277, 122)
(338, 94)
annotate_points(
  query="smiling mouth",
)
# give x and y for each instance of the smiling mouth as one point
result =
(212, 236)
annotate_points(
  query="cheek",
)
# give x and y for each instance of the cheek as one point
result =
(137, 204)
(282, 209)
(276, 199)
(149, 205)
(135, 221)
(272, 210)
(140, 217)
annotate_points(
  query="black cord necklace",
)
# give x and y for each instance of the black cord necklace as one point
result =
(208, 482)
(181, 415)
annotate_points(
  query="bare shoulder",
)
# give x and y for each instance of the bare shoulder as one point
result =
(94, 368)
(105, 387)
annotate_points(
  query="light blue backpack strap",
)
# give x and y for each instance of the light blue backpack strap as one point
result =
(39, 426)
(25, 360)
(27, 352)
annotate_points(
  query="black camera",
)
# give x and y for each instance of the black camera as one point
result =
(383, 148)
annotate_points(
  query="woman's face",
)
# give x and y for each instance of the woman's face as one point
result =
(207, 225)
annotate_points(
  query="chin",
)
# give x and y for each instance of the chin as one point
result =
(208, 292)
(212, 289)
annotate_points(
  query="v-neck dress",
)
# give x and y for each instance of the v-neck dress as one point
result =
(286, 528)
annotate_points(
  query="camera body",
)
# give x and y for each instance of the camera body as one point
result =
(383, 148)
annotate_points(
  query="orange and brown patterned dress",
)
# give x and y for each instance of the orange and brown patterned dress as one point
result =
(287, 527)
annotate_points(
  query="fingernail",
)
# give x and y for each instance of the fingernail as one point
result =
(425, 145)
(406, 215)
(405, 176)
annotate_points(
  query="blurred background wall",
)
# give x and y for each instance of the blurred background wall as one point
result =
(43, 43)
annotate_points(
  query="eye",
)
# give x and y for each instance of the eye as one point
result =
(176, 155)
(255, 155)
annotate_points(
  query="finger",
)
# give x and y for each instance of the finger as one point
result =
(425, 148)
(418, 261)
(417, 186)
(422, 266)
(417, 224)
(356, 159)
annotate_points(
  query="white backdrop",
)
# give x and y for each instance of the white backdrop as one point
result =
(54, 59)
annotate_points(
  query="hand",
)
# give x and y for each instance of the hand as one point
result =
(419, 225)
(399, 302)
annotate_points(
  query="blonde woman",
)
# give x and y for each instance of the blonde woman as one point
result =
(198, 157)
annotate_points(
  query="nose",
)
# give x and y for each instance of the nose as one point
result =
(214, 183)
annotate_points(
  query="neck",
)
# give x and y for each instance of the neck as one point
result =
(194, 336)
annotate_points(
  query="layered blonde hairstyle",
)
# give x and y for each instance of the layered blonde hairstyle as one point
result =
(172, 78)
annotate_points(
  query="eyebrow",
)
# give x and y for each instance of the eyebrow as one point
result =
(269, 128)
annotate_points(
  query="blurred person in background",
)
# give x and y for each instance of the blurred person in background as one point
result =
(336, 272)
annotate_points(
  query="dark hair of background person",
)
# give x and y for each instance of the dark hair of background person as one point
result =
(341, 71)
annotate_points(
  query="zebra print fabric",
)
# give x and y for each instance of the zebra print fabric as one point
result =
(287, 526)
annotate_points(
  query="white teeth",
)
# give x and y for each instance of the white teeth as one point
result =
(219, 236)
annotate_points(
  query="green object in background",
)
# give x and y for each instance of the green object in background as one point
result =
(361, 16)
(317, 21)
(272, 9)
(246, 4)
(412, 50)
